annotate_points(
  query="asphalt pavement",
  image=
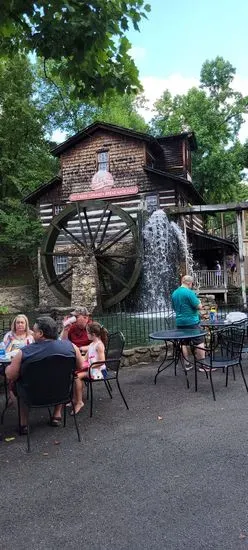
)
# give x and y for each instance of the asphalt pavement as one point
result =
(170, 473)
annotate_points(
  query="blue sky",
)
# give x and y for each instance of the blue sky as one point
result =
(178, 36)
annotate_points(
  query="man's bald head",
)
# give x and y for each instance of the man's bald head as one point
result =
(187, 280)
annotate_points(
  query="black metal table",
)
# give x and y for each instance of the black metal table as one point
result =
(177, 338)
(4, 362)
(218, 323)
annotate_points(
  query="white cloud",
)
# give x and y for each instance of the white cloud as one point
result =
(137, 53)
(58, 136)
(155, 86)
(178, 84)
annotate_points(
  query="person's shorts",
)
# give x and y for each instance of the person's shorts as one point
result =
(195, 341)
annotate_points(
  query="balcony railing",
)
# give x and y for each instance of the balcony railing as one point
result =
(207, 279)
(210, 279)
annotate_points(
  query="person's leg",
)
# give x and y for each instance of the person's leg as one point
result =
(57, 412)
(78, 392)
(185, 351)
(23, 414)
(200, 351)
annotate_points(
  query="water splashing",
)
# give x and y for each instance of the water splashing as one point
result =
(165, 252)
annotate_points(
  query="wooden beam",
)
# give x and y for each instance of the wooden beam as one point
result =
(209, 208)
(241, 258)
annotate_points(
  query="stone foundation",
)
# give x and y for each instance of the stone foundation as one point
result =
(18, 298)
(208, 301)
(148, 354)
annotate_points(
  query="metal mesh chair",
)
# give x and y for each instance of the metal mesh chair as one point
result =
(243, 324)
(114, 351)
(227, 354)
(46, 383)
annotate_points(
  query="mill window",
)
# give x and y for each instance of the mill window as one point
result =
(103, 161)
(57, 208)
(60, 264)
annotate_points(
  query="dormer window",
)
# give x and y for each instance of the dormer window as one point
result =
(103, 161)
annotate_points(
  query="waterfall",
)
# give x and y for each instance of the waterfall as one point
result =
(165, 250)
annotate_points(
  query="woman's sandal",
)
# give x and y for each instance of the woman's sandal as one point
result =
(77, 410)
(55, 422)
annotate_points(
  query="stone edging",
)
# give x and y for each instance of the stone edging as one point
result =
(148, 354)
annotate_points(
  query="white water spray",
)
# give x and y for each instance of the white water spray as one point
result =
(165, 250)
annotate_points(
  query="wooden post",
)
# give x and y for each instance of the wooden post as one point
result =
(241, 257)
(225, 276)
(223, 228)
(186, 243)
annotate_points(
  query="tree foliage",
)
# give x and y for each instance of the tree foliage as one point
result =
(86, 39)
(25, 161)
(214, 111)
(63, 111)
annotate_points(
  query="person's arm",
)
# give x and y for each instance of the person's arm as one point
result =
(194, 300)
(84, 349)
(7, 340)
(79, 358)
(101, 351)
(13, 370)
(65, 332)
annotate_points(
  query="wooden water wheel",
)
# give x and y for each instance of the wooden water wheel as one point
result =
(93, 228)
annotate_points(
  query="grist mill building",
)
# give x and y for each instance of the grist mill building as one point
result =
(94, 209)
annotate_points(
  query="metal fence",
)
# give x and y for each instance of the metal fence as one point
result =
(136, 326)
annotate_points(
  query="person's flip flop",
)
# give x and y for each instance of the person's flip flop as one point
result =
(206, 370)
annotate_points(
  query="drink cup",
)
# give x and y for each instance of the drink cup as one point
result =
(69, 321)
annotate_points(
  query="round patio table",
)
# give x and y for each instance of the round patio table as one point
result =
(218, 323)
(177, 337)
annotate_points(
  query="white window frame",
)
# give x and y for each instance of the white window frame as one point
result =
(103, 161)
(60, 264)
(57, 209)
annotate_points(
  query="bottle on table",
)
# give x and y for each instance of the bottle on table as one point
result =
(213, 314)
(2, 349)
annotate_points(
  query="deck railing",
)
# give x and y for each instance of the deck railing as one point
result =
(209, 279)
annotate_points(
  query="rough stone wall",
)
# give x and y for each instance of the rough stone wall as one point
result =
(85, 284)
(18, 298)
(147, 354)
(47, 298)
(208, 301)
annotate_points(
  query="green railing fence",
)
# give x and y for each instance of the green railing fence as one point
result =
(136, 326)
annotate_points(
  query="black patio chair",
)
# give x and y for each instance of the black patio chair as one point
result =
(46, 383)
(243, 324)
(114, 351)
(230, 341)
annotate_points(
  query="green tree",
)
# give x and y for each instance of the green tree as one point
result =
(214, 111)
(63, 111)
(25, 160)
(87, 40)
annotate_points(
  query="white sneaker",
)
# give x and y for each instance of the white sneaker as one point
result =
(188, 366)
